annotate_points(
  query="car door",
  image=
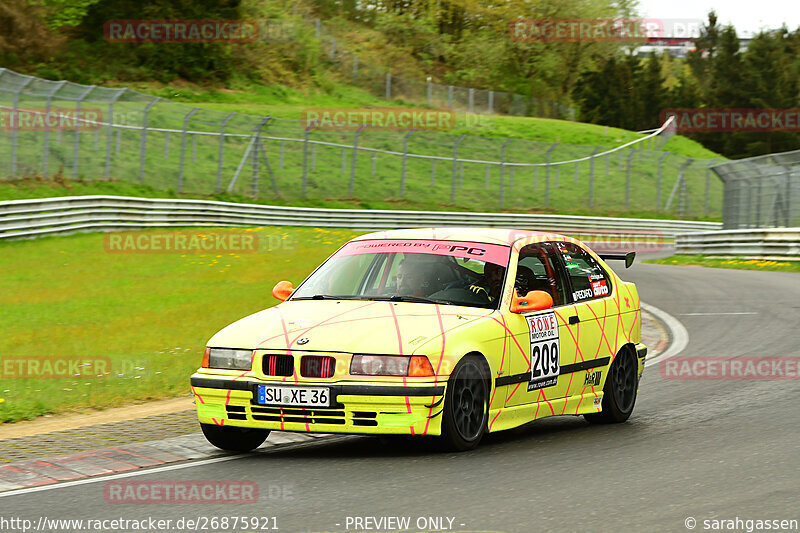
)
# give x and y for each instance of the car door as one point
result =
(541, 344)
(591, 334)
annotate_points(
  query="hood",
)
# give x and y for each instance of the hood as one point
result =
(345, 326)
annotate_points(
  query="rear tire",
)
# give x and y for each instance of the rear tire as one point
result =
(234, 439)
(619, 392)
(466, 405)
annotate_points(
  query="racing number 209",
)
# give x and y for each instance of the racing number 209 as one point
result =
(544, 359)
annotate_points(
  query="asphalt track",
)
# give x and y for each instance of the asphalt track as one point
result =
(694, 449)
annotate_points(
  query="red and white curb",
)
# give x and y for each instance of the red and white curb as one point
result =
(105, 461)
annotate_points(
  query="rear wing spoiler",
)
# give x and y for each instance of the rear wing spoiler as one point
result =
(628, 258)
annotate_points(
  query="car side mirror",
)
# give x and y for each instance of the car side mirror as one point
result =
(533, 301)
(282, 290)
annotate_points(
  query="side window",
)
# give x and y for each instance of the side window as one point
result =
(538, 269)
(586, 276)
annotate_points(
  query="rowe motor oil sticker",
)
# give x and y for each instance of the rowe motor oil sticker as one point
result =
(544, 350)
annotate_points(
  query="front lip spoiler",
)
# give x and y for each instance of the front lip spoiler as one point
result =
(336, 390)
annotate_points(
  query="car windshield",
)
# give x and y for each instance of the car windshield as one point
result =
(424, 271)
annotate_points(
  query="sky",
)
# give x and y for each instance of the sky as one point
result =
(746, 16)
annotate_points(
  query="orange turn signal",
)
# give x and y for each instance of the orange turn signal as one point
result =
(204, 364)
(420, 367)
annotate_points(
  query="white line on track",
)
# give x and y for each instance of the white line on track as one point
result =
(159, 469)
(679, 337)
(716, 314)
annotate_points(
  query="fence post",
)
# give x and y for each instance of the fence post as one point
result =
(76, 147)
(547, 175)
(502, 169)
(658, 180)
(405, 160)
(374, 163)
(355, 156)
(257, 149)
(221, 157)
(355, 68)
(433, 172)
(788, 202)
(317, 27)
(184, 136)
(631, 153)
(486, 177)
(305, 155)
(678, 183)
(455, 169)
(110, 129)
(46, 151)
(591, 175)
(471, 100)
(15, 132)
(450, 97)
(758, 201)
(143, 138)
(491, 102)
(708, 186)
(388, 86)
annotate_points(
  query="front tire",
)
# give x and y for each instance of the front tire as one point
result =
(619, 392)
(466, 405)
(234, 439)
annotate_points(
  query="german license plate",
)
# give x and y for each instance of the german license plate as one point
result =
(294, 396)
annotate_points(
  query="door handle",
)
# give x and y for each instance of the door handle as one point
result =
(574, 319)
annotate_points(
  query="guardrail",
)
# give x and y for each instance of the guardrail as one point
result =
(62, 215)
(772, 243)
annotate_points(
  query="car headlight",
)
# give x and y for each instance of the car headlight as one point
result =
(391, 365)
(230, 358)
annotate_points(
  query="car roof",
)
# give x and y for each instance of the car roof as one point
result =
(484, 235)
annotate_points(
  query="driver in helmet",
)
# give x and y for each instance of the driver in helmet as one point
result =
(491, 282)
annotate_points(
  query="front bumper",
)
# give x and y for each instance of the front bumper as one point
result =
(355, 408)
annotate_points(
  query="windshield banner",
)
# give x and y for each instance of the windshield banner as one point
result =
(493, 253)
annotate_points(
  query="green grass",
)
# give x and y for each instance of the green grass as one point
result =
(377, 181)
(150, 313)
(288, 103)
(734, 263)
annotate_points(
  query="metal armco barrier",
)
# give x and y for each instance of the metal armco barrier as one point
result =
(62, 215)
(782, 243)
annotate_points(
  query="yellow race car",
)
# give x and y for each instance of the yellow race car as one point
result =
(443, 332)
